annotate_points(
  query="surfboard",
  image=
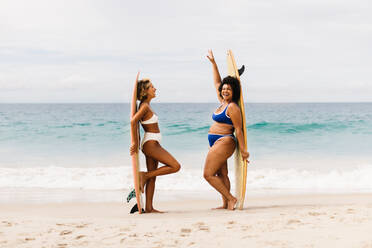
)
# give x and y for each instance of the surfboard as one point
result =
(239, 164)
(135, 157)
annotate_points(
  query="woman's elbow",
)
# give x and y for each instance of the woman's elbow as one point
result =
(133, 122)
(238, 131)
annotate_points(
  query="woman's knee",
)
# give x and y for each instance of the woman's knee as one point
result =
(176, 167)
(207, 176)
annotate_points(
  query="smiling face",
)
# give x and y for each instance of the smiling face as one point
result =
(227, 92)
(151, 91)
(230, 89)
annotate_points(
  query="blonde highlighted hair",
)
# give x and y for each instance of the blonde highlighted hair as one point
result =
(142, 87)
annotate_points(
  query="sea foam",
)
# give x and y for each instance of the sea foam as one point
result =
(114, 178)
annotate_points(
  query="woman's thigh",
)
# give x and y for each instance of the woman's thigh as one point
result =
(218, 155)
(154, 150)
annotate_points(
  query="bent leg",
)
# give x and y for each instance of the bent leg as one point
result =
(153, 150)
(216, 159)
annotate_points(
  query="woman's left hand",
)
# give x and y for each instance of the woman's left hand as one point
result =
(245, 155)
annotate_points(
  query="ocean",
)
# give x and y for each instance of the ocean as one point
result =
(297, 147)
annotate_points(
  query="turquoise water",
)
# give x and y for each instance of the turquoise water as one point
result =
(281, 137)
(103, 129)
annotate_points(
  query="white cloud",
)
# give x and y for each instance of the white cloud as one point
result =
(91, 50)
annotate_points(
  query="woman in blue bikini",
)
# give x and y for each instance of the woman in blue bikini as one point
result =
(222, 141)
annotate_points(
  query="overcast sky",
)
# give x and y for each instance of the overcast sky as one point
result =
(90, 51)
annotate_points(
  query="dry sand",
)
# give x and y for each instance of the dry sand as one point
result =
(270, 221)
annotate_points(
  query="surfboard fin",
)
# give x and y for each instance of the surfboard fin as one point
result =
(135, 209)
(131, 195)
(241, 70)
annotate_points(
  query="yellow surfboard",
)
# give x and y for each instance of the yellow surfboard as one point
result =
(240, 164)
(135, 156)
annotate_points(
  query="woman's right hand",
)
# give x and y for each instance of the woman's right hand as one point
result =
(211, 57)
(133, 148)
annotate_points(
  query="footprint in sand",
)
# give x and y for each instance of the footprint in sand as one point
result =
(230, 224)
(80, 237)
(149, 235)
(350, 211)
(7, 223)
(294, 222)
(81, 226)
(185, 232)
(65, 232)
(202, 226)
(316, 213)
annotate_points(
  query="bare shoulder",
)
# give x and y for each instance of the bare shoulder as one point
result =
(144, 106)
(233, 108)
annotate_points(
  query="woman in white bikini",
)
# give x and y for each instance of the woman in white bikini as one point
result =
(222, 141)
(150, 144)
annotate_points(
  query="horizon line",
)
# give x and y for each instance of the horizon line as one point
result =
(172, 102)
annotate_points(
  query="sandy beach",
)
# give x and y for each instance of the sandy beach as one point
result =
(338, 220)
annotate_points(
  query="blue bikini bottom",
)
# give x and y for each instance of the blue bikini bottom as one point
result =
(212, 138)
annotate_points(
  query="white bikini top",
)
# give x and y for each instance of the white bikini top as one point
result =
(154, 119)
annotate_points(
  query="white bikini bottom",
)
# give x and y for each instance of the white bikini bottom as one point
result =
(150, 136)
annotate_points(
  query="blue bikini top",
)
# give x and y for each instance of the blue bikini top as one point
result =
(222, 117)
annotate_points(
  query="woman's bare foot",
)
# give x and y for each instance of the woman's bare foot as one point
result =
(142, 181)
(153, 210)
(231, 204)
(224, 204)
(222, 207)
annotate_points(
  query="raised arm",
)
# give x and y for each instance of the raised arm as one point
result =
(216, 74)
(236, 118)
